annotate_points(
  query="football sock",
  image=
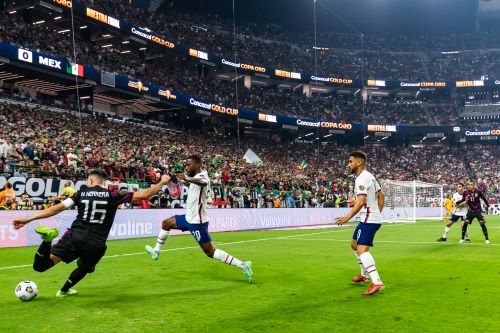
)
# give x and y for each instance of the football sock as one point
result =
(162, 238)
(369, 265)
(485, 231)
(226, 258)
(464, 230)
(467, 233)
(42, 258)
(363, 272)
(446, 231)
(73, 279)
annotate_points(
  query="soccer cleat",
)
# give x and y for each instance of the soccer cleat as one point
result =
(374, 288)
(155, 255)
(467, 240)
(360, 278)
(461, 241)
(62, 294)
(48, 234)
(442, 239)
(247, 270)
(488, 241)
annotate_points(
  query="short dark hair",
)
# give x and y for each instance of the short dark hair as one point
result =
(358, 154)
(98, 173)
(460, 183)
(8, 185)
(195, 158)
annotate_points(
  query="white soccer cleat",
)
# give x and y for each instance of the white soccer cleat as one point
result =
(461, 241)
(154, 255)
(488, 241)
(62, 294)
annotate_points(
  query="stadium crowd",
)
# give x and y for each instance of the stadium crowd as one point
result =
(180, 74)
(42, 143)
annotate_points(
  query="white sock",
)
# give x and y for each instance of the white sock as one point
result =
(162, 238)
(467, 233)
(446, 231)
(224, 257)
(363, 272)
(369, 265)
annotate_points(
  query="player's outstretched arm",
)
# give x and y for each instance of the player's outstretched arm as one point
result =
(380, 200)
(482, 196)
(200, 181)
(54, 210)
(360, 202)
(148, 193)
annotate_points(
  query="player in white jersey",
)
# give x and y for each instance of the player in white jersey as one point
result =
(196, 219)
(459, 212)
(369, 203)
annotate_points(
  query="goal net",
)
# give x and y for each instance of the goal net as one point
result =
(409, 201)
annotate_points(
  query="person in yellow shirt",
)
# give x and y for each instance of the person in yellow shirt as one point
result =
(7, 197)
(66, 192)
(448, 205)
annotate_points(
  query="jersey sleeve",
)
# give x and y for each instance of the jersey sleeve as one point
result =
(362, 183)
(72, 200)
(482, 196)
(121, 197)
(464, 197)
(204, 175)
(377, 187)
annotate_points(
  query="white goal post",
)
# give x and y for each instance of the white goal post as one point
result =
(409, 201)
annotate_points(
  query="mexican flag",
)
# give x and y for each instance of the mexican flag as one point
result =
(302, 165)
(74, 69)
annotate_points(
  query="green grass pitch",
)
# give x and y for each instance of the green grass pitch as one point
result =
(302, 284)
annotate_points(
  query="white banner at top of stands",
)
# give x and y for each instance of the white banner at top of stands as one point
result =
(135, 223)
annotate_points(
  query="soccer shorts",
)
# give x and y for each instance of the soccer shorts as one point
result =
(198, 230)
(454, 218)
(365, 233)
(71, 247)
(471, 216)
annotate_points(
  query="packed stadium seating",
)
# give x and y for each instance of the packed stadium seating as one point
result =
(179, 74)
(44, 143)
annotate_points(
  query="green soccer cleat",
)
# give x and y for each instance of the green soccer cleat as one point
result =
(62, 294)
(155, 255)
(247, 270)
(48, 234)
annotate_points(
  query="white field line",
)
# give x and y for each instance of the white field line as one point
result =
(397, 242)
(196, 247)
(275, 238)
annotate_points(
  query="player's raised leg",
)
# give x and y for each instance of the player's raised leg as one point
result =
(202, 236)
(43, 259)
(226, 258)
(167, 225)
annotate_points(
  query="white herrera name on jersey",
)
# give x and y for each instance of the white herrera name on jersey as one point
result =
(459, 211)
(196, 203)
(367, 184)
